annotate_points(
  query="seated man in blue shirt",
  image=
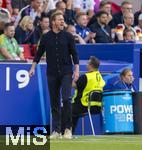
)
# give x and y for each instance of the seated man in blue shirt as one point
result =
(82, 29)
(125, 82)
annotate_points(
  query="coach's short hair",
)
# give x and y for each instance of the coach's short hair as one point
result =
(56, 13)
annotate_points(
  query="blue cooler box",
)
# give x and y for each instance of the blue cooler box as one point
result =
(117, 112)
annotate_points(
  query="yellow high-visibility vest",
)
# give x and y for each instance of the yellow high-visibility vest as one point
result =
(95, 82)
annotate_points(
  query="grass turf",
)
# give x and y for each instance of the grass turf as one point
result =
(102, 142)
(114, 142)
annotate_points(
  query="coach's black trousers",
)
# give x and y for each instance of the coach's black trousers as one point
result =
(60, 91)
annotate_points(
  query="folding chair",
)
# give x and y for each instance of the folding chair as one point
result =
(94, 96)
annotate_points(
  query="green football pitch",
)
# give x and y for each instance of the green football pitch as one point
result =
(101, 142)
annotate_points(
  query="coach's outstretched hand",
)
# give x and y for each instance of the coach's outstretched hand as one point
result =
(32, 70)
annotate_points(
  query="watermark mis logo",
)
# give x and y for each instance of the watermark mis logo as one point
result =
(27, 135)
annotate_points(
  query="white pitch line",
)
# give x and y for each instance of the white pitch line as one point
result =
(98, 141)
(114, 136)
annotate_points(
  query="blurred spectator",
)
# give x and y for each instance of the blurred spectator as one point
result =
(66, 9)
(128, 36)
(42, 28)
(136, 15)
(55, 1)
(86, 6)
(7, 4)
(78, 38)
(17, 5)
(3, 10)
(101, 28)
(97, 5)
(82, 29)
(128, 22)
(4, 17)
(118, 17)
(9, 48)
(138, 28)
(34, 10)
(69, 13)
(104, 6)
(125, 82)
(48, 5)
(61, 6)
(26, 31)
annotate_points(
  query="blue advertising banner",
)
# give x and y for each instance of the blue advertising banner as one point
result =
(23, 99)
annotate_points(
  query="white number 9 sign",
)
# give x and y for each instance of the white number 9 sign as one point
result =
(22, 76)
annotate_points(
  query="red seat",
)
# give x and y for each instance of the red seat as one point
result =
(33, 50)
(115, 8)
(27, 51)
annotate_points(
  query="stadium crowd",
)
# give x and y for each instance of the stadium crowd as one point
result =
(25, 21)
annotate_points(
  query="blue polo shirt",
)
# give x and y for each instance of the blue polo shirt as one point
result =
(82, 31)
